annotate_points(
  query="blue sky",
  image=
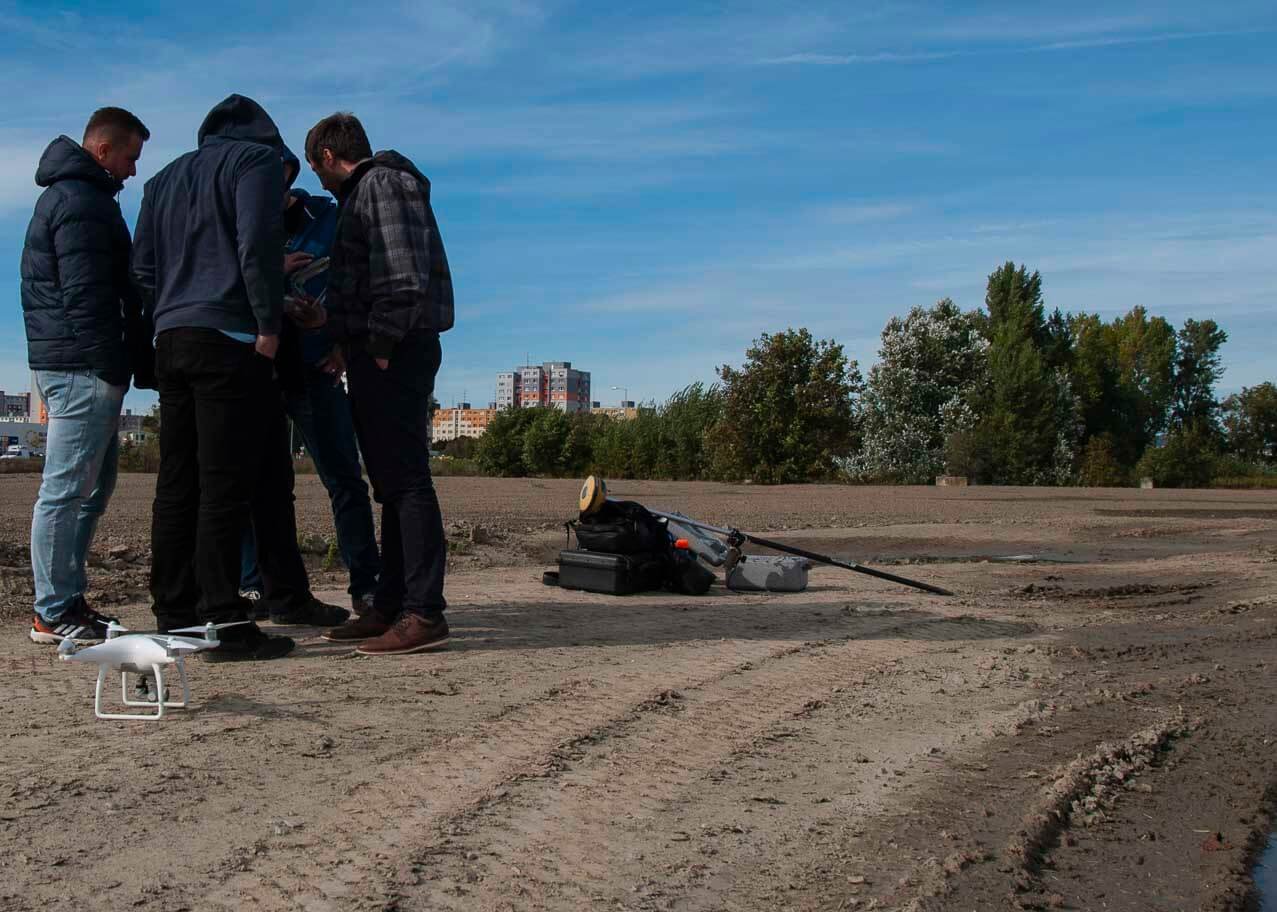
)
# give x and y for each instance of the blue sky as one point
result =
(643, 188)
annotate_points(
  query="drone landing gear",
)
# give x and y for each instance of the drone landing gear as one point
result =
(159, 704)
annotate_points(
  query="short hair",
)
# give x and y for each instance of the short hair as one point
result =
(117, 123)
(341, 134)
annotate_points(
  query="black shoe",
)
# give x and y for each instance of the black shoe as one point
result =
(258, 611)
(247, 642)
(310, 613)
(80, 624)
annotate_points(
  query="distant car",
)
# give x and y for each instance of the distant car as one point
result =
(17, 451)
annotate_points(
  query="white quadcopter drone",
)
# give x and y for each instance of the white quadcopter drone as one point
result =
(144, 655)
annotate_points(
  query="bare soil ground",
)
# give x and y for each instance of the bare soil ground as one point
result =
(1093, 729)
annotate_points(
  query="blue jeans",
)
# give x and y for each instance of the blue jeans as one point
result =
(81, 459)
(322, 415)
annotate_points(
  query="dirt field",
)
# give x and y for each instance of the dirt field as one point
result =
(1093, 729)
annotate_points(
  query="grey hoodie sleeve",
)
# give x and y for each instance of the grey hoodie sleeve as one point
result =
(259, 224)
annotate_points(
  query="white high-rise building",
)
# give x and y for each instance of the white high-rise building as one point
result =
(555, 384)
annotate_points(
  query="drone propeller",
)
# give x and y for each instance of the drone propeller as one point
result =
(66, 647)
(180, 646)
(205, 627)
(209, 630)
(114, 629)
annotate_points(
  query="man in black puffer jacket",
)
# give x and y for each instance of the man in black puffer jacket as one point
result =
(85, 335)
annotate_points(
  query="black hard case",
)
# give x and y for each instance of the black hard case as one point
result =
(610, 574)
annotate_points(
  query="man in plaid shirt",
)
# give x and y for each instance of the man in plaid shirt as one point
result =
(389, 298)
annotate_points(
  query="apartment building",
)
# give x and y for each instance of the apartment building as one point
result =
(463, 421)
(554, 384)
(15, 405)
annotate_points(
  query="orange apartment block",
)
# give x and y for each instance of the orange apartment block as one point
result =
(451, 423)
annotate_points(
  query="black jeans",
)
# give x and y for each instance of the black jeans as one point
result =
(274, 513)
(391, 409)
(322, 414)
(213, 417)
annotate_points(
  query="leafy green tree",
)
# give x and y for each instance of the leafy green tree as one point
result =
(461, 447)
(1028, 425)
(612, 449)
(1019, 423)
(1123, 373)
(544, 442)
(685, 420)
(788, 413)
(1188, 459)
(1057, 341)
(1250, 424)
(1100, 467)
(929, 366)
(1198, 368)
(1013, 298)
(578, 449)
(501, 446)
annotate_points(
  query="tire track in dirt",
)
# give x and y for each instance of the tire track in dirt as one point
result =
(650, 791)
(368, 837)
(382, 817)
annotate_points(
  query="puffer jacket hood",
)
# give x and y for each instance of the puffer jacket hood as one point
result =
(240, 118)
(66, 159)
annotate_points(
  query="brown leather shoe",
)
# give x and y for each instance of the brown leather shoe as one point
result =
(410, 633)
(357, 629)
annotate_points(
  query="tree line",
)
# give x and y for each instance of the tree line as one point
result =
(1006, 394)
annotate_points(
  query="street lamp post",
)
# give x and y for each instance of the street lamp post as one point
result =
(625, 394)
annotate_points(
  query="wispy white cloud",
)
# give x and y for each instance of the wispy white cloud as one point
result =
(862, 213)
(1030, 25)
(905, 57)
(815, 59)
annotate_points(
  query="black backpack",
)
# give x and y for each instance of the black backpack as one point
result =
(622, 527)
(626, 527)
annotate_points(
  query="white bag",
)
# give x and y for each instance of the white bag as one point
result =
(769, 574)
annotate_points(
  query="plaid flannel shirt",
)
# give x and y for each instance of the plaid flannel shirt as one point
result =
(388, 272)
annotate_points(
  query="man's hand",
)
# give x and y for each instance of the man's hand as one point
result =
(383, 363)
(334, 363)
(305, 311)
(267, 346)
(295, 261)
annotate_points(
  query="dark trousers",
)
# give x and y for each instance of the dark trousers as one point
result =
(322, 414)
(274, 514)
(391, 412)
(213, 416)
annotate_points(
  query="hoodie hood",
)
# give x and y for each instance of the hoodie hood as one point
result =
(240, 118)
(392, 159)
(292, 166)
(66, 159)
(386, 159)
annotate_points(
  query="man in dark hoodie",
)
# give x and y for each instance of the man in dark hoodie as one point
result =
(209, 250)
(389, 298)
(316, 401)
(277, 560)
(85, 335)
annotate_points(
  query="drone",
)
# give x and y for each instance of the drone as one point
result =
(144, 655)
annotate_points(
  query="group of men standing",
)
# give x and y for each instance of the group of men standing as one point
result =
(244, 302)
